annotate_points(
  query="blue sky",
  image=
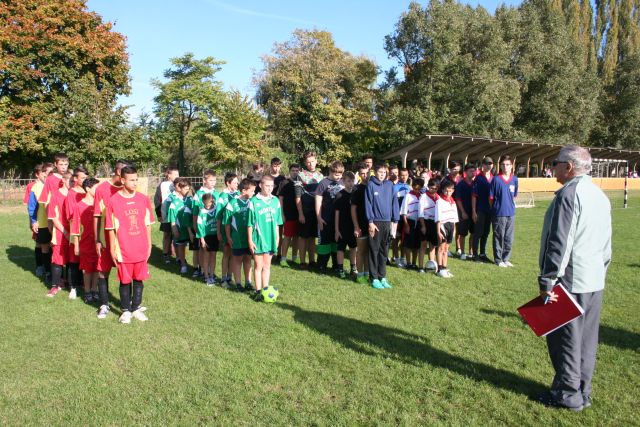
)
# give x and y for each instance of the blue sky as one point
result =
(240, 33)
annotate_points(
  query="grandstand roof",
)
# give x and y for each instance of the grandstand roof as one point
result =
(466, 148)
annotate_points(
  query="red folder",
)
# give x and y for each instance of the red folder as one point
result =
(546, 318)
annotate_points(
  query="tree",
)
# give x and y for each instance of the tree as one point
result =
(317, 96)
(188, 101)
(61, 70)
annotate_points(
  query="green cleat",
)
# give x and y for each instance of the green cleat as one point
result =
(342, 274)
(284, 263)
(385, 283)
(376, 284)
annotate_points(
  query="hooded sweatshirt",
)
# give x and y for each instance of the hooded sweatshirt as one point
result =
(379, 201)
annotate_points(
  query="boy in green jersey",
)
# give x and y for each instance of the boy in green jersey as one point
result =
(180, 220)
(230, 192)
(209, 181)
(265, 217)
(235, 222)
(206, 234)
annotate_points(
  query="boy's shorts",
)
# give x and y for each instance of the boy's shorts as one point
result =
(105, 262)
(165, 227)
(290, 228)
(350, 241)
(310, 228)
(465, 226)
(265, 253)
(44, 236)
(432, 232)
(60, 253)
(194, 245)
(212, 243)
(447, 230)
(128, 272)
(89, 264)
(413, 238)
(181, 242)
(241, 251)
(327, 234)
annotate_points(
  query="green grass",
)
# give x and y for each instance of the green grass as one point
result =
(330, 352)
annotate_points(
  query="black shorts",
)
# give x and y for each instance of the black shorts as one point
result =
(347, 239)
(309, 228)
(447, 230)
(194, 245)
(413, 238)
(44, 236)
(159, 213)
(327, 234)
(212, 242)
(432, 232)
(465, 226)
(165, 227)
(241, 252)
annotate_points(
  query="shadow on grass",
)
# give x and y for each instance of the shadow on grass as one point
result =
(614, 337)
(372, 339)
(24, 258)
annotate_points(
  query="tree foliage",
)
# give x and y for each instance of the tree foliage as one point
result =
(61, 70)
(317, 96)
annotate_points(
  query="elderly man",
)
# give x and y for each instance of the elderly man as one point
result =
(575, 250)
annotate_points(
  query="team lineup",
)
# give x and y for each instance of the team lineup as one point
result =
(84, 228)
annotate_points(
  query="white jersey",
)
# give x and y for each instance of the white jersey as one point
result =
(428, 206)
(410, 206)
(446, 211)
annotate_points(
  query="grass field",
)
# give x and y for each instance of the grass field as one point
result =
(330, 352)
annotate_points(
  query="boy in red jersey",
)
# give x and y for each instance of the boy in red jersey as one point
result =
(84, 240)
(104, 191)
(75, 194)
(128, 221)
(59, 228)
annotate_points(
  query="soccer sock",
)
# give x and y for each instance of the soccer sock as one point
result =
(136, 299)
(103, 291)
(334, 260)
(56, 274)
(73, 270)
(46, 261)
(38, 253)
(125, 297)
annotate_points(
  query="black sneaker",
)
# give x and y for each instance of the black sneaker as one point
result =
(248, 287)
(88, 298)
(239, 287)
(257, 297)
(549, 401)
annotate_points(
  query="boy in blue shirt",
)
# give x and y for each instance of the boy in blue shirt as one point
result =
(481, 210)
(502, 195)
(463, 195)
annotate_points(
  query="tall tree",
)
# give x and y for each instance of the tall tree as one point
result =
(61, 69)
(189, 98)
(317, 96)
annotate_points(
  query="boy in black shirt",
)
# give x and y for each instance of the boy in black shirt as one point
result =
(287, 195)
(344, 225)
(360, 224)
(325, 195)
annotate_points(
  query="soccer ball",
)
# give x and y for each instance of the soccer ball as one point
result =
(270, 294)
(431, 265)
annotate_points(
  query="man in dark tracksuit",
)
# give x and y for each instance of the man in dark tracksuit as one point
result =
(382, 210)
(575, 250)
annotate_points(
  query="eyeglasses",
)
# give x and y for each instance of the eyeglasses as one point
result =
(556, 162)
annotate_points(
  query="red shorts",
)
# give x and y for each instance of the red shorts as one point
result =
(128, 272)
(73, 259)
(89, 265)
(60, 253)
(105, 262)
(290, 228)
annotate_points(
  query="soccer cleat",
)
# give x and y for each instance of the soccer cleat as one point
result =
(183, 269)
(363, 280)
(422, 270)
(463, 257)
(342, 274)
(88, 298)
(549, 401)
(376, 284)
(385, 283)
(248, 287)
(444, 273)
(125, 317)
(483, 258)
(39, 271)
(508, 264)
(73, 294)
(257, 296)
(239, 287)
(53, 291)
(459, 252)
(284, 263)
(502, 265)
(138, 315)
(196, 273)
(103, 311)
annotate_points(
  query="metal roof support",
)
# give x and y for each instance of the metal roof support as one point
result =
(430, 154)
(404, 158)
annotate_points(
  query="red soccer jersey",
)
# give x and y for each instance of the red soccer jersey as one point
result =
(73, 197)
(27, 192)
(55, 211)
(129, 218)
(51, 184)
(104, 191)
(82, 225)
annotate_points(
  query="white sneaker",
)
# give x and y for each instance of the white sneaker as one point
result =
(139, 315)
(444, 273)
(502, 265)
(183, 269)
(463, 257)
(125, 317)
(508, 264)
(459, 252)
(103, 311)
(73, 294)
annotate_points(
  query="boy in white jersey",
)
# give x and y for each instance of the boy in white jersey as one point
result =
(446, 217)
(428, 227)
(409, 221)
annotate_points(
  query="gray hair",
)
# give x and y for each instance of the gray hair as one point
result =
(578, 156)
